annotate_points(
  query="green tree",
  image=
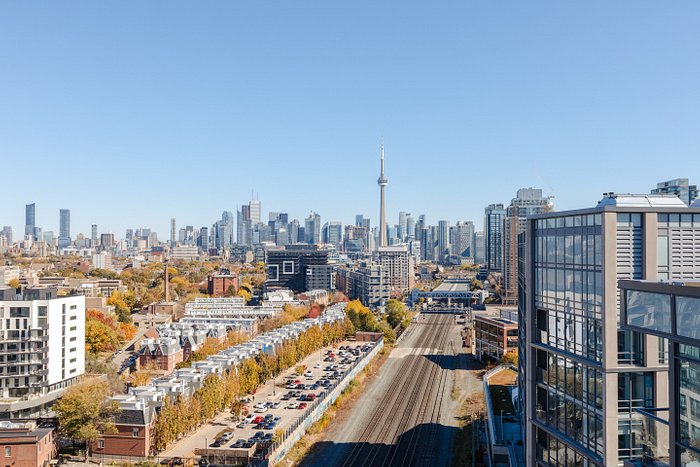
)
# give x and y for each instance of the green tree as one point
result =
(396, 312)
(85, 412)
(509, 358)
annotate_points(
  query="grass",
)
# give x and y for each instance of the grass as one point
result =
(469, 414)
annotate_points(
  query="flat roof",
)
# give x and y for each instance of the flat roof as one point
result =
(453, 286)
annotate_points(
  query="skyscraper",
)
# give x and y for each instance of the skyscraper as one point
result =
(527, 202)
(462, 239)
(64, 228)
(312, 229)
(443, 241)
(93, 236)
(29, 219)
(255, 211)
(382, 182)
(401, 228)
(173, 232)
(582, 377)
(493, 233)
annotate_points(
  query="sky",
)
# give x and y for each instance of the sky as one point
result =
(130, 113)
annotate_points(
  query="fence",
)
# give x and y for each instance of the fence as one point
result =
(293, 433)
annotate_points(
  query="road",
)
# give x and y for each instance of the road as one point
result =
(406, 416)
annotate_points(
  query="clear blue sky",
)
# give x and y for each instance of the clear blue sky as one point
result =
(130, 113)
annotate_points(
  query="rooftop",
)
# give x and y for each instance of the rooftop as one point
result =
(641, 201)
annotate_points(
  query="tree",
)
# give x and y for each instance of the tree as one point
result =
(99, 337)
(509, 358)
(85, 412)
(14, 283)
(396, 312)
(121, 308)
(476, 284)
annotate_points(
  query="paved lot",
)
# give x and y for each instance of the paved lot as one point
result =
(272, 391)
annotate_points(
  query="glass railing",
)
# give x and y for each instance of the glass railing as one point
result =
(654, 437)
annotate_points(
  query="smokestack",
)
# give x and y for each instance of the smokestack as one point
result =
(166, 279)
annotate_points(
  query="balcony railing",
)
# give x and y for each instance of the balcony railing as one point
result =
(655, 437)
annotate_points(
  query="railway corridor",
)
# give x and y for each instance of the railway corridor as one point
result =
(406, 416)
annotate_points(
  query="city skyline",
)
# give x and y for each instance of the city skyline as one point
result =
(83, 225)
(474, 101)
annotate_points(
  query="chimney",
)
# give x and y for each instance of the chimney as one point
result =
(166, 280)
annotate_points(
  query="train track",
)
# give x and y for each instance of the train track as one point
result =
(403, 426)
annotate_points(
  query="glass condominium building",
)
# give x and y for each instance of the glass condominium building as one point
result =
(582, 378)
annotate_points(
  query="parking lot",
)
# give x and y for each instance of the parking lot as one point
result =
(291, 397)
(327, 368)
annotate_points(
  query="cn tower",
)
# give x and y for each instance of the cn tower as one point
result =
(382, 182)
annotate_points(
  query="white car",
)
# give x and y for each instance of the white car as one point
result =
(262, 409)
(249, 418)
(309, 374)
(260, 405)
(293, 405)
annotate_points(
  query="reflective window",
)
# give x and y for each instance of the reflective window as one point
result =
(689, 387)
(649, 310)
(688, 317)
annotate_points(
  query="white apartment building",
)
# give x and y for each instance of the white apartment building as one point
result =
(42, 349)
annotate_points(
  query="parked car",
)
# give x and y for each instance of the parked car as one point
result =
(261, 410)
(293, 405)
(302, 405)
(238, 444)
(275, 405)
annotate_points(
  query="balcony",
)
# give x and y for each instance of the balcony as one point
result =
(654, 439)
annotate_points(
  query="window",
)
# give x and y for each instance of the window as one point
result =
(73, 307)
(100, 444)
(73, 328)
(135, 432)
(73, 318)
(73, 339)
(8, 451)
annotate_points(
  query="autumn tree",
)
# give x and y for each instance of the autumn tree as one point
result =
(509, 358)
(85, 412)
(396, 312)
(121, 307)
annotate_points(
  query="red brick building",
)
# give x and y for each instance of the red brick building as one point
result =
(26, 445)
(219, 283)
(134, 428)
(162, 354)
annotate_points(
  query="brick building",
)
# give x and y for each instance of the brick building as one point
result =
(219, 283)
(26, 444)
(134, 426)
(162, 354)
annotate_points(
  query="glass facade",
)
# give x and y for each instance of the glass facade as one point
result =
(688, 439)
(688, 317)
(649, 310)
(568, 297)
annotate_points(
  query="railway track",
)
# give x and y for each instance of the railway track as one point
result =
(403, 429)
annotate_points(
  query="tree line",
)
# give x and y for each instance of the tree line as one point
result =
(223, 392)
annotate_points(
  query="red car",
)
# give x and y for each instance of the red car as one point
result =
(257, 419)
(302, 405)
